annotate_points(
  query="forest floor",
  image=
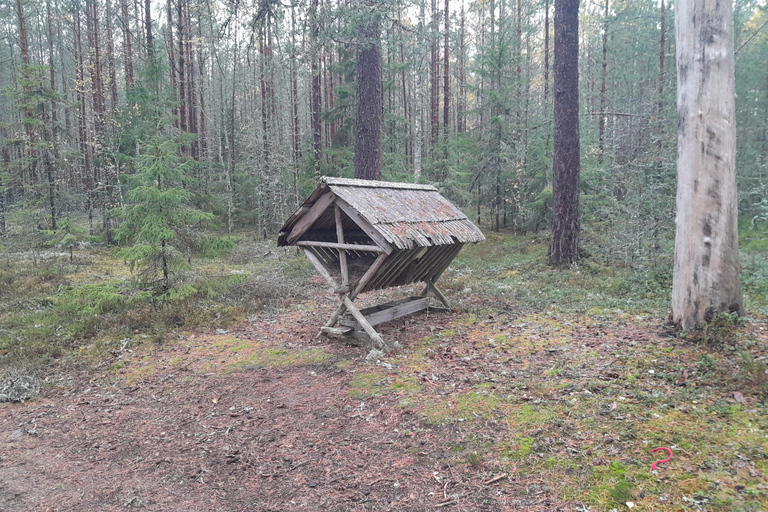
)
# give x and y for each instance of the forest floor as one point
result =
(490, 409)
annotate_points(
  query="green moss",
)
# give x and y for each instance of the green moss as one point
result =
(518, 450)
(467, 407)
(365, 385)
(275, 357)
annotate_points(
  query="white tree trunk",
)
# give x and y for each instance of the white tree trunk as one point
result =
(706, 273)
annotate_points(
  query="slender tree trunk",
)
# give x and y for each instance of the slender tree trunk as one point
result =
(461, 99)
(662, 51)
(706, 277)
(564, 248)
(295, 111)
(127, 46)
(601, 116)
(148, 26)
(446, 80)
(111, 57)
(434, 97)
(315, 97)
(181, 69)
(546, 50)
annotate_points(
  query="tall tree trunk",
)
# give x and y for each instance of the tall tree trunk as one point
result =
(706, 277)
(446, 80)
(295, 111)
(127, 46)
(181, 70)
(369, 105)
(566, 165)
(546, 50)
(148, 27)
(461, 100)
(601, 116)
(111, 57)
(662, 51)
(172, 60)
(315, 98)
(434, 96)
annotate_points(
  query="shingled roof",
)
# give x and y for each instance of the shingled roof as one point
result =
(407, 215)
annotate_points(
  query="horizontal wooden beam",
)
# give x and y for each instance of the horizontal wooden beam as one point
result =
(334, 245)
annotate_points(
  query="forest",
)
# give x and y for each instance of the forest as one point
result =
(155, 337)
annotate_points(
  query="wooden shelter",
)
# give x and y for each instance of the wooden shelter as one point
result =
(368, 235)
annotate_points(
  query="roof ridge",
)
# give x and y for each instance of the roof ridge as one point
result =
(349, 182)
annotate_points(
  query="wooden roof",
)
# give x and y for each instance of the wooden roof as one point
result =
(406, 215)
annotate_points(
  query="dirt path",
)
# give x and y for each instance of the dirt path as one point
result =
(191, 425)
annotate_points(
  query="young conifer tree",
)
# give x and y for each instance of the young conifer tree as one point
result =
(160, 228)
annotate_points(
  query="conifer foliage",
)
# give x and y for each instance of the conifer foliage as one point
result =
(158, 229)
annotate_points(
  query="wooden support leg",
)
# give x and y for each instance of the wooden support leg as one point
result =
(370, 331)
(438, 294)
(358, 288)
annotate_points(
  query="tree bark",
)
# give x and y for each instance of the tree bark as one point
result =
(601, 120)
(434, 92)
(566, 165)
(368, 114)
(127, 46)
(446, 80)
(546, 50)
(706, 270)
(315, 97)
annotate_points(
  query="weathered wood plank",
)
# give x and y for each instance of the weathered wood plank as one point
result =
(310, 217)
(334, 245)
(348, 182)
(365, 225)
(335, 330)
(390, 311)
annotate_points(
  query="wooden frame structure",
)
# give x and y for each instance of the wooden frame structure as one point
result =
(368, 235)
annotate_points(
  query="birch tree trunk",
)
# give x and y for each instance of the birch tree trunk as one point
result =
(706, 272)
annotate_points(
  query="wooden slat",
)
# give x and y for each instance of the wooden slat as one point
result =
(390, 311)
(334, 245)
(365, 226)
(310, 217)
(336, 331)
(393, 269)
(443, 264)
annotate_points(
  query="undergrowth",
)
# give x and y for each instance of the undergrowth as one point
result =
(51, 306)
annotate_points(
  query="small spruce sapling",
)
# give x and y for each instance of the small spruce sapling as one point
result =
(160, 228)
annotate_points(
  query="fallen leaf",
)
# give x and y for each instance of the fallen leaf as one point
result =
(739, 398)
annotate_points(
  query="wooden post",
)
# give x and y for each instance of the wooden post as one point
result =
(342, 252)
(358, 288)
(321, 269)
(369, 330)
